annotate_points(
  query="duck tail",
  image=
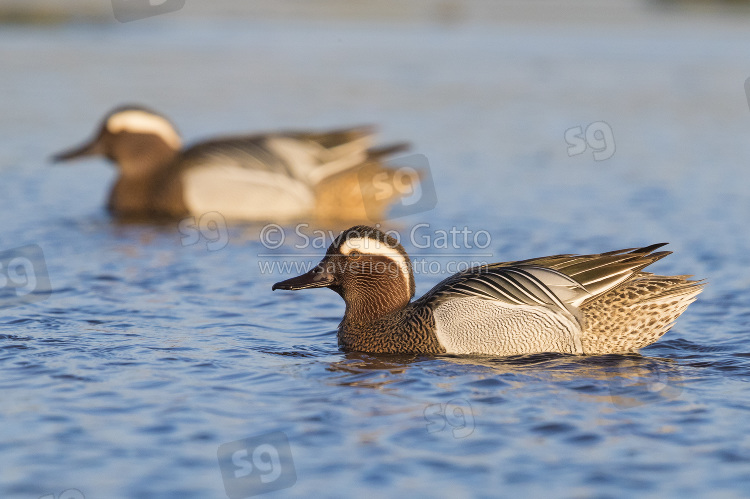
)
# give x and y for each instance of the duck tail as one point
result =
(379, 153)
(636, 313)
(332, 139)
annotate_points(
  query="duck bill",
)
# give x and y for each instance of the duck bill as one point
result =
(316, 278)
(92, 148)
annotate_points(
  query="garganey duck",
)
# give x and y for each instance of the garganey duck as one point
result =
(280, 176)
(575, 304)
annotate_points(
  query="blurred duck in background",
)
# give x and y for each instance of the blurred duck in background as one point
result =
(282, 176)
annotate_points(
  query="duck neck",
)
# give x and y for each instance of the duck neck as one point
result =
(370, 303)
(141, 175)
(131, 196)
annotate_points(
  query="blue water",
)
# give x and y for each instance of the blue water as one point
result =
(149, 354)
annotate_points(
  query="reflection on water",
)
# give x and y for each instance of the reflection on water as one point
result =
(627, 380)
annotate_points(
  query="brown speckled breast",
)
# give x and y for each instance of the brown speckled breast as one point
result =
(411, 330)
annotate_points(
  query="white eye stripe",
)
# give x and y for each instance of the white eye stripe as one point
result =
(369, 246)
(144, 122)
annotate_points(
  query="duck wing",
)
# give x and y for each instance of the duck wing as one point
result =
(560, 282)
(523, 285)
(598, 273)
(271, 176)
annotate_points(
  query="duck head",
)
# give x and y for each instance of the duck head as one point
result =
(136, 139)
(369, 269)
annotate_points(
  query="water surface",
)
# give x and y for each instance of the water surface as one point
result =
(149, 354)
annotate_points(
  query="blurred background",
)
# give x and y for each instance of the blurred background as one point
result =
(423, 11)
(574, 126)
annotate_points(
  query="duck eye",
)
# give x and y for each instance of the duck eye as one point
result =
(355, 255)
